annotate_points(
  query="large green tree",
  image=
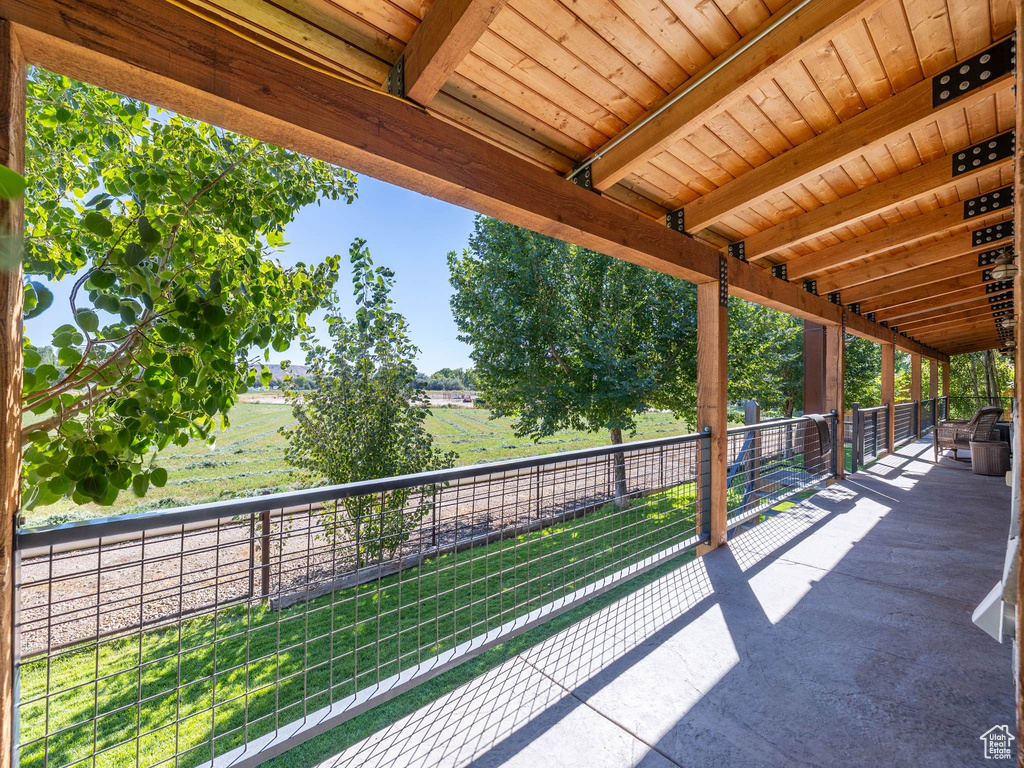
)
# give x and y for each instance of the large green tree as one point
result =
(563, 337)
(166, 227)
(364, 416)
(766, 361)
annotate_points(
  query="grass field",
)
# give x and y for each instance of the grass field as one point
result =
(140, 700)
(249, 457)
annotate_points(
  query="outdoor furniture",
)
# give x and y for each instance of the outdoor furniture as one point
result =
(990, 457)
(957, 435)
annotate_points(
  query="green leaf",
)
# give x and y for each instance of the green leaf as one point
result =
(12, 184)
(87, 320)
(98, 224)
(181, 365)
(134, 254)
(140, 484)
(30, 357)
(147, 233)
(158, 477)
(43, 299)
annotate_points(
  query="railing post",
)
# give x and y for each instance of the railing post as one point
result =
(836, 446)
(265, 553)
(704, 483)
(915, 391)
(752, 415)
(889, 393)
(855, 438)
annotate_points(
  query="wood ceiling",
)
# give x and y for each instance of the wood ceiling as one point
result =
(806, 131)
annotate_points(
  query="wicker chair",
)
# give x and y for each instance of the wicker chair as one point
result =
(956, 435)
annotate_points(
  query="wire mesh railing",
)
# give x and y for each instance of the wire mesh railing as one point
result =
(233, 630)
(773, 461)
(928, 411)
(904, 422)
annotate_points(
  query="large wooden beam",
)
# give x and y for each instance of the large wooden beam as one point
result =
(446, 35)
(883, 239)
(747, 65)
(12, 154)
(898, 115)
(163, 54)
(713, 400)
(858, 325)
(966, 264)
(888, 264)
(927, 179)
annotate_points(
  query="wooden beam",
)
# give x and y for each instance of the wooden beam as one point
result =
(747, 65)
(835, 374)
(889, 390)
(952, 319)
(893, 315)
(860, 326)
(883, 239)
(968, 327)
(713, 398)
(943, 271)
(12, 154)
(446, 35)
(927, 179)
(911, 295)
(887, 264)
(977, 303)
(908, 110)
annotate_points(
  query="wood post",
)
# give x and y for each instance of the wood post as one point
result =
(835, 374)
(933, 388)
(12, 154)
(889, 392)
(915, 388)
(712, 397)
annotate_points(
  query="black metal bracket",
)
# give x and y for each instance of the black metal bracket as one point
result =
(993, 62)
(988, 258)
(990, 201)
(779, 271)
(870, 315)
(986, 275)
(738, 250)
(983, 153)
(811, 286)
(834, 298)
(855, 308)
(999, 286)
(584, 178)
(999, 300)
(676, 220)
(883, 323)
(991, 234)
(723, 281)
(395, 84)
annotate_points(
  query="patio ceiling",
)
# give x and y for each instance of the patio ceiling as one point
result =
(812, 133)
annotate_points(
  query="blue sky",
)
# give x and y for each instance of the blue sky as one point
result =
(404, 230)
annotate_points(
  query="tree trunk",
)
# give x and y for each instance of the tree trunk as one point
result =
(619, 472)
(991, 376)
(974, 375)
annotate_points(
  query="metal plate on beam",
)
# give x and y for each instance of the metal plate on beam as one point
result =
(676, 220)
(779, 271)
(811, 286)
(738, 250)
(999, 286)
(983, 153)
(973, 73)
(990, 201)
(991, 234)
(988, 258)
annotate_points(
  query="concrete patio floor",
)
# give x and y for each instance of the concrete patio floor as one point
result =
(837, 633)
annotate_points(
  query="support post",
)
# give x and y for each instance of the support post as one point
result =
(712, 372)
(855, 442)
(945, 388)
(12, 154)
(889, 393)
(915, 390)
(814, 367)
(835, 374)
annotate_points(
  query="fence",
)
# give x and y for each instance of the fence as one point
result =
(228, 632)
(904, 422)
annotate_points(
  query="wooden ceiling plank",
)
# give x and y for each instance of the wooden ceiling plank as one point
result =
(443, 39)
(925, 179)
(791, 40)
(906, 111)
(893, 315)
(965, 264)
(920, 292)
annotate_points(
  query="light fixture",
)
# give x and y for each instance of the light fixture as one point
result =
(1009, 322)
(1004, 268)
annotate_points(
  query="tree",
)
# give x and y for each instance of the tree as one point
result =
(167, 227)
(363, 417)
(766, 361)
(563, 337)
(863, 382)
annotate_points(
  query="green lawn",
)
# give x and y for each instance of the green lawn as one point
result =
(249, 457)
(260, 660)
